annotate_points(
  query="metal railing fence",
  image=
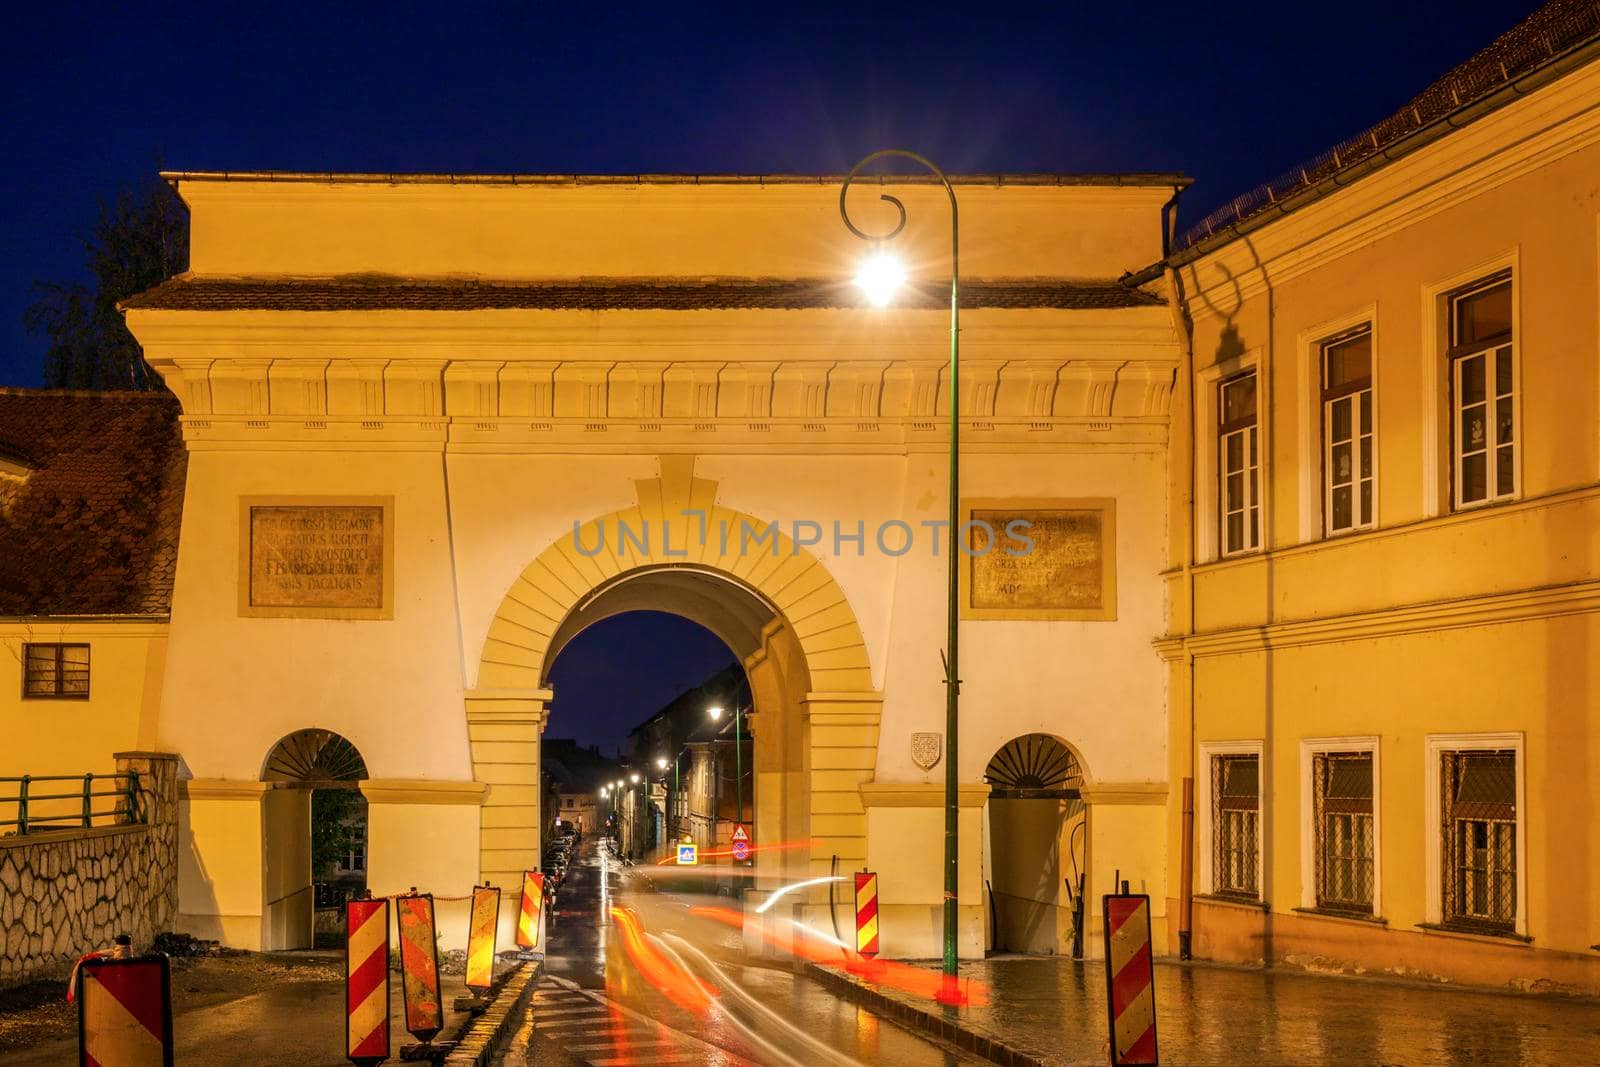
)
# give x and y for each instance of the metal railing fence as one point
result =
(44, 802)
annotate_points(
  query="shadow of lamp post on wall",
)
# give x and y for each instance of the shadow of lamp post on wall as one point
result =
(880, 276)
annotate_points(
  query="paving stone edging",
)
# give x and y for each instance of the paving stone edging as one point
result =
(928, 1022)
(483, 1035)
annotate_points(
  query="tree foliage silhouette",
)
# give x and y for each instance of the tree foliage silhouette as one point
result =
(140, 239)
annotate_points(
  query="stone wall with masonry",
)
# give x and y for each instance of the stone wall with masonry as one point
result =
(67, 892)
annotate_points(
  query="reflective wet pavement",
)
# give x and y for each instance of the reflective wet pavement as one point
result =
(1207, 1014)
(1055, 1008)
(605, 1005)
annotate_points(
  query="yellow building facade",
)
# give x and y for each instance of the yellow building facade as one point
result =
(1382, 652)
(481, 382)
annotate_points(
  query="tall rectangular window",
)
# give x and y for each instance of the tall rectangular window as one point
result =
(55, 671)
(1479, 846)
(1483, 380)
(1342, 821)
(1235, 824)
(1240, 466)
(1347, 462)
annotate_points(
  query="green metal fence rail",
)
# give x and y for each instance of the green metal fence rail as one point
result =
(43, 802)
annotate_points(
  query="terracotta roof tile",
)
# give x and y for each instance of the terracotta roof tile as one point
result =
(92, 527)
(188, 293)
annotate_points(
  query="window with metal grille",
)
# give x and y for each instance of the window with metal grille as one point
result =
(1479, 816)
(1342, 814)
(55, 671)
(1483, 385)
(1240, 466)
(1347, 432)
(1235, 824)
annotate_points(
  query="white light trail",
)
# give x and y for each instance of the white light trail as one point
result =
(780, 891)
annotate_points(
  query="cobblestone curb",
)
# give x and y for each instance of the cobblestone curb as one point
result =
(483, 1035)
(928, 1022)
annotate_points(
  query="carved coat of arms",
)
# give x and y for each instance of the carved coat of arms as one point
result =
(926, 750)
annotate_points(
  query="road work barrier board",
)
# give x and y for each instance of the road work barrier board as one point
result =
(1130, 979)
(125, 1012)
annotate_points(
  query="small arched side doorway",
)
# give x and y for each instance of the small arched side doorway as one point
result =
(314, 834)
(1037, 861)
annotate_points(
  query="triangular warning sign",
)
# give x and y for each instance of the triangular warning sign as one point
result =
(739, 833)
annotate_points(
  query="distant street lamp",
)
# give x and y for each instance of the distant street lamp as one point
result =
(738, 757)
(880, 276)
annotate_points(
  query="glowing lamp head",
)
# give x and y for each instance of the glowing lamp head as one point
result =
(605, 790)
(634, 778)
(715, 712)
(880, 276)
(661, 763)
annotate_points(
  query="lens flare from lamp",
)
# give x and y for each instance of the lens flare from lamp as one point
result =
(634, 778)
(661, 763)
(880, 275)
(714, 712)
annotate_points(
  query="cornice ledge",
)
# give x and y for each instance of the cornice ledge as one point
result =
(920, 794)
(422, 791)
(1124, 792)
(1576, 598)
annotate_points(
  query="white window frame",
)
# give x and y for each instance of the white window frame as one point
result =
(1312, 463)
(1206, 820)
(1490, 356)
(1310, 748)
(1208, 465)
(1438, 480)
(1434, 748)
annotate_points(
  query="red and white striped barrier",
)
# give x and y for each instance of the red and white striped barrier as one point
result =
(124, 1012)
(366, 981)
(867, 913)
(1130, 979)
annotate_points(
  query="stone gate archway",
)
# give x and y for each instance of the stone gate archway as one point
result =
(1036, 856)
(298, 765)
(774, 603)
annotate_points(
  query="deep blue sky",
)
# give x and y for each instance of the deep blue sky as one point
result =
(95, 95)
(622, 670)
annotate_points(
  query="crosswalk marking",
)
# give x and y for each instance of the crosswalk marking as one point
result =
(586, 1025)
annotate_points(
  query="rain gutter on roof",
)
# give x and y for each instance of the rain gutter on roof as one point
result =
(1418, 138)
(47, 620)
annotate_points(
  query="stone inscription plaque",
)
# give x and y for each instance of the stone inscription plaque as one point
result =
(329, 560)
(1069, 572)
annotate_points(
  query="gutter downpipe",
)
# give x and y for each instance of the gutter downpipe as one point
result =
(1186, 368)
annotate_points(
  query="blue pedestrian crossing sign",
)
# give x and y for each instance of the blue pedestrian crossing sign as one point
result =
(688, 855)
(741, 843)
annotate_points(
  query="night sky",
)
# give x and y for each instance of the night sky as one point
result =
(622, 670)
(96, 96)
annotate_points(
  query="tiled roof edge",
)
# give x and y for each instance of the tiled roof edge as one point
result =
(1569, 31)
(1136, 178)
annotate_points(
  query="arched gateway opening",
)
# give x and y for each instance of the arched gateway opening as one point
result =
(313, 832)
(814, 710)
(696, 773)
(1037, 861)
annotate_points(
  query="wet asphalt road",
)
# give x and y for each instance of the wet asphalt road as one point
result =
(599, 1006)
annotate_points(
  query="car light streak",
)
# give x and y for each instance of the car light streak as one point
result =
(776, 893)
(827, 951)
(678, 986)
(778, 1055)
(825, 1053)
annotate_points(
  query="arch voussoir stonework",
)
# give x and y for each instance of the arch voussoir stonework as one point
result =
(840, 705)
